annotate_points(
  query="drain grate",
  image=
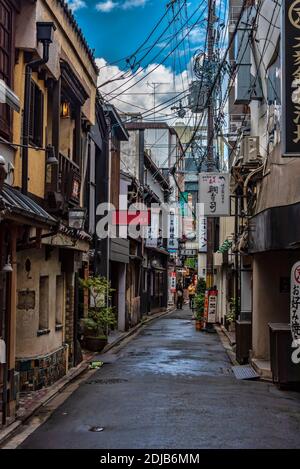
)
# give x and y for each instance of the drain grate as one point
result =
(244, 372)
(107, 381)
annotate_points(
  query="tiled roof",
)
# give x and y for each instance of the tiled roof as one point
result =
(14, 201)
(78, 30)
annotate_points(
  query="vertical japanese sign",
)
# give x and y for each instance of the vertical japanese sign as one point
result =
(172, 280)
(214, 193)
(291, 77)
(212, 306)
(202, 234)
(206, 306)
(295, 303)
(173, 231)
(183, 200)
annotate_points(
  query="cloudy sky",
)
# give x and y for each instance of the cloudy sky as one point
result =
(116, 29)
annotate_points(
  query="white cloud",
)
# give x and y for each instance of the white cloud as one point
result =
(76, 4)
(129, 4)
(142, 98)
(107, 6)
(197, 35)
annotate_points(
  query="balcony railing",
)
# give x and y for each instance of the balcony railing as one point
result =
(69, 179)
(63, 184)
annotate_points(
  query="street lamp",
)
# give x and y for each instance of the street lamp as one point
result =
(50, 156)
(44, 31)
(77, 218)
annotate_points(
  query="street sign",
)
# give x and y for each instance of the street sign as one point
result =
(214, 194)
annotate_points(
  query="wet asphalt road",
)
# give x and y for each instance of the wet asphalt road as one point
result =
(172, 387)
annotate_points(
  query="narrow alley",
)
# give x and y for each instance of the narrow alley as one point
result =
(172, 387)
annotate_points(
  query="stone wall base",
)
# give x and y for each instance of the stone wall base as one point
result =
(42, 371)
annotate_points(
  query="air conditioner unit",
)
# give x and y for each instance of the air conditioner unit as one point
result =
(250, 149)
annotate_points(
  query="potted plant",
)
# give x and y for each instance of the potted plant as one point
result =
(201, 286)
(199, 313)
(101, 317)
(231, 315)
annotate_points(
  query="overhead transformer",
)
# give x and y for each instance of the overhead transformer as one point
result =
(199, 90)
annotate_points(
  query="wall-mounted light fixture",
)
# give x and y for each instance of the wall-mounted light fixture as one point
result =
(44, 31)
(77, 218)
(7, 267)
(50, 156)
(65, 111)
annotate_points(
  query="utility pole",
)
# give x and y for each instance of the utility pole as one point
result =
(210, 147)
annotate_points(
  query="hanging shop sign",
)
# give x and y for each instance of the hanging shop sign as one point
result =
(202, 234)
(173, 232)
(214, 194)
(172, 279)
(183, 201)
(291, 78)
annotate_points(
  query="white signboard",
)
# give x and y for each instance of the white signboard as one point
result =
(295, 303)
(173, 231)
(202, 234)
(212, 307)
(214, 194)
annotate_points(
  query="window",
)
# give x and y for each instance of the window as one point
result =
(274, 82)
(36, 115)
(191, 165)
(59, 299)
(44, 303)
(6, 55)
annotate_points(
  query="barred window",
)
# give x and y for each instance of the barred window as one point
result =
(36, 115)
(6, 54)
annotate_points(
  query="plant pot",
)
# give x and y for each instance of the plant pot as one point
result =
(199, 325)
(95, 344)
(226, 323)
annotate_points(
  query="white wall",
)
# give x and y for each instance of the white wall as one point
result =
(130, 154)
(28, 344)
(158, 141)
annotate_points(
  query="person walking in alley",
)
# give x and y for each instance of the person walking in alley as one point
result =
(191, 292)
(179, 291)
